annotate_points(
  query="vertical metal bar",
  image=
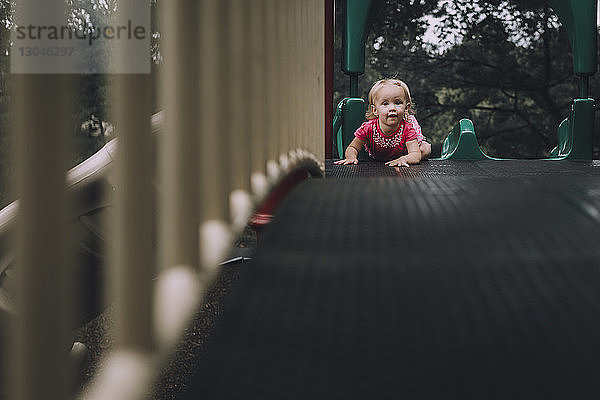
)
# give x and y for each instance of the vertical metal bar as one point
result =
(283, 75)
(236, 108)
(353, 85)
(584, 86)
(295, 77)
(41, 126)
(302, 103)
(258, 79)
(237, 111)
(176, 294)
(134, 265)
(311, 43)
(303, 135)
(215, 135)
(321, 88)
(179, 161)
(329, 38)
(318, 67)
(311, 68)
(261, 83)
(309, 26)
(134, 257)
(292, 75)
(311, 102)
(273, 115)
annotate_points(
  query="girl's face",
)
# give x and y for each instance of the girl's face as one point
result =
(389, 104)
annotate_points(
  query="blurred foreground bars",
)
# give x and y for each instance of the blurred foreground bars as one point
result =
(41, 115)
(242, 92)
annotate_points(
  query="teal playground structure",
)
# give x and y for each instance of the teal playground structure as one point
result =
(575, 133)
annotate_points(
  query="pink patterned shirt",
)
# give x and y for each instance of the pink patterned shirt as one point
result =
(383, 147)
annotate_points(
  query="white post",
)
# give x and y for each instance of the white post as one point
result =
(273, 91)
(258, 105)
(237, 109)
(41, 126)
(215, 168)
(134, 256)
(177, 290)
(42, 324)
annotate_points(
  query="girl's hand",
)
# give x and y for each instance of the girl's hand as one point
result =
(347, 161)
(398, 162)
(351, 152)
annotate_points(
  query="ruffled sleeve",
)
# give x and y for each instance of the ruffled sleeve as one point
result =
(412, 129)
(363, 131)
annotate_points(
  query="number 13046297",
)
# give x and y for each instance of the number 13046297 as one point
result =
(52, 51)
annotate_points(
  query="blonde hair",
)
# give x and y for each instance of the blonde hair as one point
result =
(378, 85)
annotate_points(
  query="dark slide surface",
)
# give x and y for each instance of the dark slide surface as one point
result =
(447, 280)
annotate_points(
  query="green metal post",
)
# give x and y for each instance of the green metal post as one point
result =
(578, 17)
(357, 14)
(354, 86)
(582, 129)
(579, 20)
(584, 87)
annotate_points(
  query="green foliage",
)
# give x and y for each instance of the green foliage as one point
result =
(504, 64)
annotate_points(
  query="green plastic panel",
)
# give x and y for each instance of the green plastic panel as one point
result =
(337, 130)
(579, 20)
(582, 129)
(359, 15)
(565, 142)
(352, 112)
(461, 143)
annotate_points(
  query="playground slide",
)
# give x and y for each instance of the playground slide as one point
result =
(91, 185)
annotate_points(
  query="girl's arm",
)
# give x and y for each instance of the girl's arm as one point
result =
(352, 152)
(413, 156)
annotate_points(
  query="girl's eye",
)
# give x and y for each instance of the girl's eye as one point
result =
(398, 102)
(385, 103)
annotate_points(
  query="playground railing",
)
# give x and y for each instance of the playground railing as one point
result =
(242, 93)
